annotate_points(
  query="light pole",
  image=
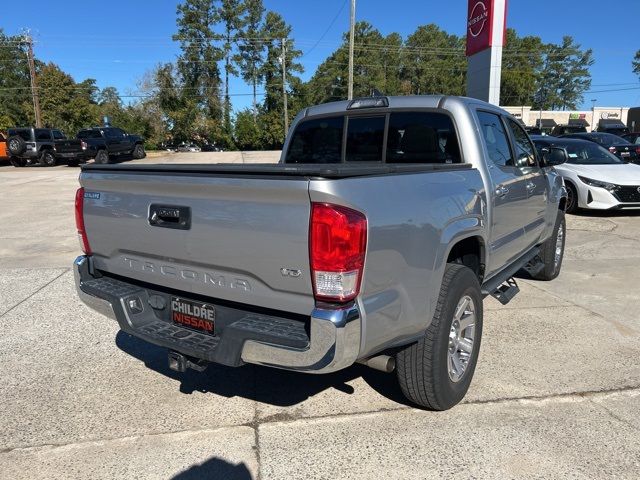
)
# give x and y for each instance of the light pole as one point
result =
(593, 113)
(352, 22)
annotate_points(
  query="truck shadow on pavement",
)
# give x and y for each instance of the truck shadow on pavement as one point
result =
(215, 468)
(267, 385)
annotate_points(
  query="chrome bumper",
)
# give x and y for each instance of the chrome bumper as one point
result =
(334, 335)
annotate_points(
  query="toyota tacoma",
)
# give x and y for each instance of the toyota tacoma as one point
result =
(374, 240)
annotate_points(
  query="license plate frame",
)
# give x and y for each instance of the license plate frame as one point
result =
(194, 315)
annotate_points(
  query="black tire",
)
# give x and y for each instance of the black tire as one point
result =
(47, 159)
(572, 198)
(138, 152)
(423, 367)
(102, 156)
(548, 252)
(16, 145)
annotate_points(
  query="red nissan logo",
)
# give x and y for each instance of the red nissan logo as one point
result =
(477, 19)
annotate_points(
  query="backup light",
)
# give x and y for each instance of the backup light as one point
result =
(337, 246)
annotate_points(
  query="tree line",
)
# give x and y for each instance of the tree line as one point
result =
(189, 99)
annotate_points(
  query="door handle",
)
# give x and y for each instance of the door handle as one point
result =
(531, 186)
(501, 191)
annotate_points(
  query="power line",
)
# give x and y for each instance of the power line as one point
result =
(327, 30)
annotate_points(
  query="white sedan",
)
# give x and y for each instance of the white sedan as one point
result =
(594, 177)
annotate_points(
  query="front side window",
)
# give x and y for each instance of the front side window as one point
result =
(364, 139)
(496, 139)
(525, 153)
(317, 141)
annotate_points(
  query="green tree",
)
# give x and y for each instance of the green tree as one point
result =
(435, 62)
(251, 46)
(193, 91)
(271, 74)
(65, 104)
(636, 63)
(565, 76)
(247, 132)
(522, 62)
(231, 16)
(16, 106)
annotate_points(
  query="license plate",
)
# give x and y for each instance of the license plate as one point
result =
(625, 154)
(67, 154)
(194, 315)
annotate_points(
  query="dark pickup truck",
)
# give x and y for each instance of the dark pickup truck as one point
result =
(108, 142)
(44, 146)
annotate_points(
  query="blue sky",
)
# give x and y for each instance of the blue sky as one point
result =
(118, 43)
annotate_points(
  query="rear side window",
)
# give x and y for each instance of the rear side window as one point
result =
(317, 141)
(422, 137)
(89, 134)
(496, 139)
(43, 134)
(364, 139)
(22, 133)
(58, 135)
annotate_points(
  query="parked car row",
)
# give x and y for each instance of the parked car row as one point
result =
(191, 147)
(48, 146)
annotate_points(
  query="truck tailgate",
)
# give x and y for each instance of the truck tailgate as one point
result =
(243, 231)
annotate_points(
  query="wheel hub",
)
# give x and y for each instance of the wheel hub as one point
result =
(461, 338)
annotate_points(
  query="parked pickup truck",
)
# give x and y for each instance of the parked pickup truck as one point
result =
(109, 142)
(375, 240)
(44, 146)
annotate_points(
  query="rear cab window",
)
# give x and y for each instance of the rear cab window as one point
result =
(89, 134)
(394, 137)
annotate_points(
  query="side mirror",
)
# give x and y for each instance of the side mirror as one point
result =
(553, 156)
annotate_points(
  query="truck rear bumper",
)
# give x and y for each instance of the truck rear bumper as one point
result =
(327, 341)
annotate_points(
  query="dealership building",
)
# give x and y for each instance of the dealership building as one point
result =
(591, 119)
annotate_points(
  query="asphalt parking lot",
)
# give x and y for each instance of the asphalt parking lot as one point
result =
(556, 393)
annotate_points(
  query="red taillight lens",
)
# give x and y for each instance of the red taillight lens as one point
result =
(337, 246)
(82, 234)
(638, 150)
(83, 144)
(612, 149)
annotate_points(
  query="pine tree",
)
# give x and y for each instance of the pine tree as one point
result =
(251, 46)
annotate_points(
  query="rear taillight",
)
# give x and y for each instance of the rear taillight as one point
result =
(82, 234)
(638, 150)
(337, 246)
(612, 149)
(83, 144)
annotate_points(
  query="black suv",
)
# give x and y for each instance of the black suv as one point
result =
(44, 146)
(108, 142)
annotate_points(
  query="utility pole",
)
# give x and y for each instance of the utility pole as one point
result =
(32, 76)
(352, 24)
(284, 87)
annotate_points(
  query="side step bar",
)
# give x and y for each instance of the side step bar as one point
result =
(503, 286)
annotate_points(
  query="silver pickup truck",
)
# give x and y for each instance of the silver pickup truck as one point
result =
(374, 240)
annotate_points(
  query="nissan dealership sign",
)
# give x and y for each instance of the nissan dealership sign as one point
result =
(480, 26)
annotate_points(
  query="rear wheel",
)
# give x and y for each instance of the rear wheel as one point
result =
(138, 152)
(572, 198)
(47, 159)
(436, 371)
(102, 157)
